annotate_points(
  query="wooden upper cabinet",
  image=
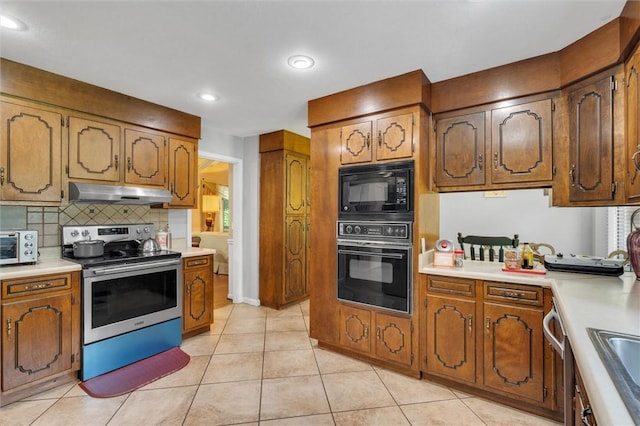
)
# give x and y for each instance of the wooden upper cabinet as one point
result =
(296, 171)
(460, 147)
(394, 137)
(591, 161)
(183, 163)
(632, 82)
(30, 153)
(495, 146)
(389, 137)
(145, 154)
(94, 150)
(356, 143)
(522, 143)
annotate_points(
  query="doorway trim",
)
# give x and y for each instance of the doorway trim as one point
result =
(237, 217)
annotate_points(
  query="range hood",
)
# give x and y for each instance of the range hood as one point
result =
(112, 194)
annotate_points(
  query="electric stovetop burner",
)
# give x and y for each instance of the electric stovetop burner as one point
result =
(121, 252)
(121, 244)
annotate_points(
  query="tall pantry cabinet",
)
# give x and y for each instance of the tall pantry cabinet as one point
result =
(284, 218)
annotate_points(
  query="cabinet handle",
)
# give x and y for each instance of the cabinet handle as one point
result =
(488, 326)
(379, 137)
(495, 160)
(583, 416)
(513, 294)
(572, 174)
(480, 161)
(470, 322)
(116, 160)
(368, 140)
(366, 331)
(8, 328)
(1, 175)
(171, 187)
(128, 164)
(378, 331)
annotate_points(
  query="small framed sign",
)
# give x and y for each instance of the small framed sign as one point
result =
(442, 258)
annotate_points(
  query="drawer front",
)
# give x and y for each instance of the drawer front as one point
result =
(524, 294)
(448, 285)
(196, 262)
(35, 285)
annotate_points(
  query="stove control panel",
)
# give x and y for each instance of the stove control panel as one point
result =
(107, 233)
(375, 230)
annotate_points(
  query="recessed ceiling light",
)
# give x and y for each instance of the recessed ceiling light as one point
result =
(12, 23)
(300, 62)
(208, 97)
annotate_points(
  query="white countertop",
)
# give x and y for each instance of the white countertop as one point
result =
(41, 267)
(55, 265)
(609, 303)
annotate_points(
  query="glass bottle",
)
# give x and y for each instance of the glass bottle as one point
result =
(527, 257)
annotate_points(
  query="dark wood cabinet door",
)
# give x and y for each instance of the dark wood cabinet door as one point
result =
(394, 138)
(94, 150)
(521, 142)
(296, 183)
(393, 339)
(354, 328)
(513, 350)
(183, 163)
(460, 150)
(356, 143)
(145, 158)
(451, 349)
(632, 82)
(197, 298)
(30, 153)
(295, 280)
(36, 339)
(591, 142)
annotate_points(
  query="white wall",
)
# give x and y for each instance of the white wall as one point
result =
(230, 148)
(523, 212)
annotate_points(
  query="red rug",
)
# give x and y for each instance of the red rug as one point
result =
(136, 375)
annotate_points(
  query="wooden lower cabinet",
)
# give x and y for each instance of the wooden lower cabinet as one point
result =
(451, 337)
(513, 346)
(197, 294)
(487, 336)
(40, 333)
(383, 336)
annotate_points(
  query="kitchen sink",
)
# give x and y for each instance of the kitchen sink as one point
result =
(620, 354)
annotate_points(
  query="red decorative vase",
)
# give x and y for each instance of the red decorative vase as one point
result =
(633, 247)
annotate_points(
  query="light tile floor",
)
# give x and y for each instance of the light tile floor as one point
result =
(259, 366)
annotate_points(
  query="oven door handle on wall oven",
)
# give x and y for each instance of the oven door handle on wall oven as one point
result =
(133, 267)
(366, 253)
(546, 324)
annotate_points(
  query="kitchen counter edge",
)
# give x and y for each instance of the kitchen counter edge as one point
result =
(56, 265)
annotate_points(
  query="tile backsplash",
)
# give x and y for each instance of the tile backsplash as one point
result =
(48, 220)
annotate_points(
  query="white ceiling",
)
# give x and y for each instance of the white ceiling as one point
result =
(168, 51)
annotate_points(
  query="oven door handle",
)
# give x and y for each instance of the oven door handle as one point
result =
(133, 267)
(546, 327)
(366, 253)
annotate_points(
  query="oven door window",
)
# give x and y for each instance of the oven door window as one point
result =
(119, 299)
(8, 248)
(375, 276)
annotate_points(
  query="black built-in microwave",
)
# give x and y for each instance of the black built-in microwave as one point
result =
(382, 191)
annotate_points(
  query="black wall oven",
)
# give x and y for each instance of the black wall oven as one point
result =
(375, 264)
(376, 192)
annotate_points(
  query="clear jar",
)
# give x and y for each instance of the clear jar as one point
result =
(458, 258)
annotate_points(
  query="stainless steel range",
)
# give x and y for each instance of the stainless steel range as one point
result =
(131, 298)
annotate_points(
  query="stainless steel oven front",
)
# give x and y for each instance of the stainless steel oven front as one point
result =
(375, 264)
(121, 298)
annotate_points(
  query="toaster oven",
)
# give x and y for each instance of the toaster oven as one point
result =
(18, 247)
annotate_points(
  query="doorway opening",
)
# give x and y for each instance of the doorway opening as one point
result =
(217, 222)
